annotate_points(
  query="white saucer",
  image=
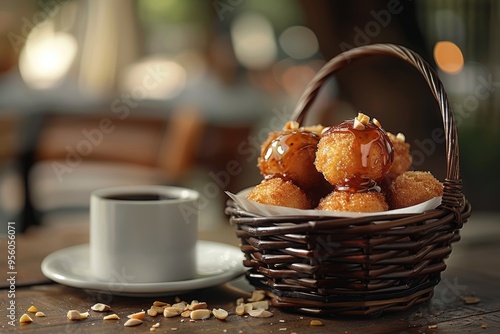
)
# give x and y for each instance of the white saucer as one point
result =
(217, 264)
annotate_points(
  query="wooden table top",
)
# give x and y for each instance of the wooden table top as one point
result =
(473, 270)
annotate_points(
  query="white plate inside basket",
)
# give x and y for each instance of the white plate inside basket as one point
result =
(273, 210)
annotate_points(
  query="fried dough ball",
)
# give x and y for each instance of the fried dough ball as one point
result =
(347, 152)
(290, 156)
(276, 191)
(368, 201)
(411, 188)
(402, 158)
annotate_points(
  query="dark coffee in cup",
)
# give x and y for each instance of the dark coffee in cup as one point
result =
(140, 197)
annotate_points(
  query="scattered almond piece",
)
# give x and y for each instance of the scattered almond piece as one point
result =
(470, 300)
(99, 307)
(170, 312)
(138, 315)
(260, 313)
(200, 314)
(186, 314)
(315, 322)
(158, 309)
(39, 314)
(75, 315)
(257, 296)
(157, 325)
(220, 313)
(132, 322)
(152, 312)
(111, 317)
(32, 309)
(240, 309)
(160, 304)
(25, 319)
(432, 326)
(240, 301)
(196, 305)
(248, 307)
(260, 304)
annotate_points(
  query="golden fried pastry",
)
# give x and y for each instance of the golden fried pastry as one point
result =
(276, 191)
(368, 201)
(411, 188)
(354, 152)
(402, 158)
(290, 156)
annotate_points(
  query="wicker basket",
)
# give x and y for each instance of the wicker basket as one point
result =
(356, 266)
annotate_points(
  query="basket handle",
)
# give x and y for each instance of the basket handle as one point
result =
(452, 196)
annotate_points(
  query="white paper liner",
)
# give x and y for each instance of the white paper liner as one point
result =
(274, 211)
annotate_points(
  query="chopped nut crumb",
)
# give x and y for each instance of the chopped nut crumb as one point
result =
(132, 322)
(32, 309)
(137, 315)
(99, 307)
(362, 118)
(358, 125)
(160, 303)
(111, 317)
(291, 125)
(432, 326)
(315, 322)
(25, 319)
(220, 313)
(470, 300)
(75, 315)
(39, 314)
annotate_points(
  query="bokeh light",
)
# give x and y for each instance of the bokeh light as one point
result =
(299, 42)
(47, 56)
(155, 77)
(448, 57)
(253, 40)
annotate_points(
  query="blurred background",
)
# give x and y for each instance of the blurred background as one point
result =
(182, 92)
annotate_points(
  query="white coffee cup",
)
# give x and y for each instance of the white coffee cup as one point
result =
(143, 234)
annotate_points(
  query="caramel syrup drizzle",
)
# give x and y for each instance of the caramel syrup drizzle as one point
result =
(280, 149)
(364, 140)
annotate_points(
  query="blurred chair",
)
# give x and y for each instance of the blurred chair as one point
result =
(76, 154)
